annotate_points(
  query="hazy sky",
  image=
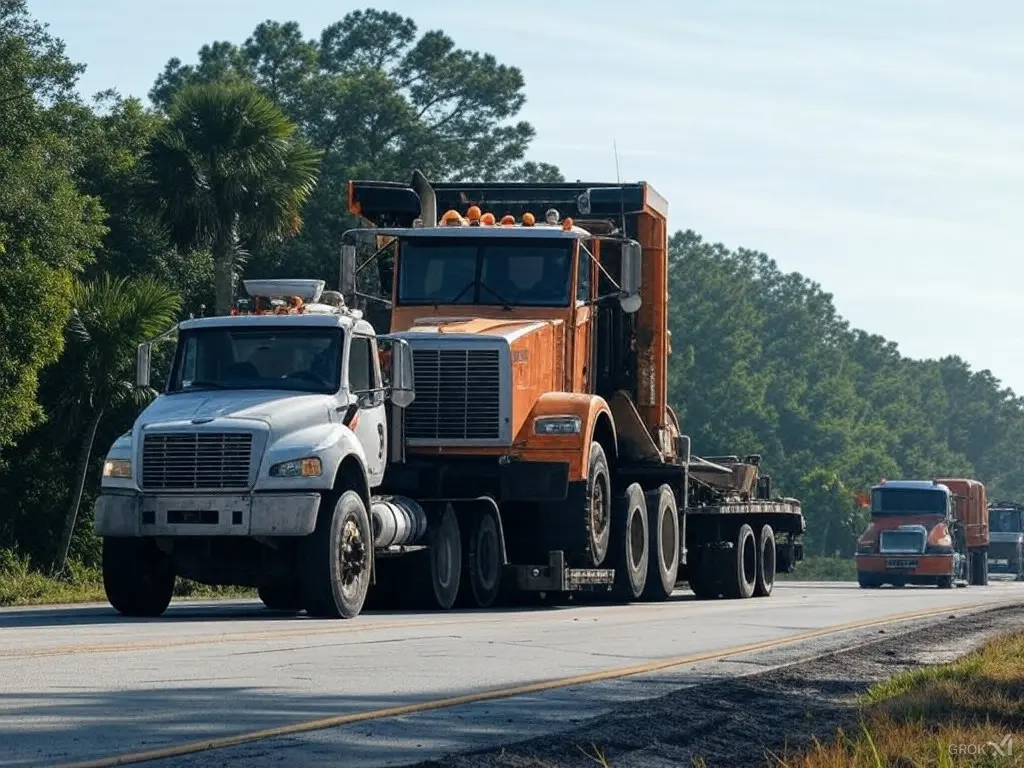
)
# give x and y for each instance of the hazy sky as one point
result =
(876, 147)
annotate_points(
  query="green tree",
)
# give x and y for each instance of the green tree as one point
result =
(379, 100)
(48, 228)
(227, 171)
(111, 318)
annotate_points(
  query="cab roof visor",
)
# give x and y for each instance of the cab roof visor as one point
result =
(391, 204)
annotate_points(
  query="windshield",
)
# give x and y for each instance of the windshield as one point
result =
(301, 359)
(512, 272)
(1005, 521)
(907, 501)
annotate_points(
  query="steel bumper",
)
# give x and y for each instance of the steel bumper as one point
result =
(256, 514)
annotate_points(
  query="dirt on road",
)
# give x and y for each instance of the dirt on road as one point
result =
(752, 720)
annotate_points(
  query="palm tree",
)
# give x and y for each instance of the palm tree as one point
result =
(228, 170)
(110, 318)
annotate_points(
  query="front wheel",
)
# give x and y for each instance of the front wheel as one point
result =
(336, 559)
(137, 576)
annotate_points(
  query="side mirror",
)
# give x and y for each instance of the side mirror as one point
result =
(629, 281)
(143, 360)
(348, 271)
(402, 383)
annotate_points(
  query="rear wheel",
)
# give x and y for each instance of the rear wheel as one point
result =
(481, 562)
(663, 544)
(438, 570)
(979, 567)
(336, 559)
(628, 550)
(944, 582)
(765, 581)
(137, 576)
(739, 582)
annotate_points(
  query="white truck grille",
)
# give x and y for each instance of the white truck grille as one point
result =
(185, 461)
(458, 395)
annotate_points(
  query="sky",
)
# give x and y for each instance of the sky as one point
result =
(875, 147)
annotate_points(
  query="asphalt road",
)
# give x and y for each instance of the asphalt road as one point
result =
(82, 684)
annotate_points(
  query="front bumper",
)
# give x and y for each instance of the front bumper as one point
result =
(905, 565)
(255, 514)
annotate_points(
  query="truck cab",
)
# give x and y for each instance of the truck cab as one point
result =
(1006, 535)
(258, 458)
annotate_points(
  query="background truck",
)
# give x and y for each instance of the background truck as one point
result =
(925, 532)
(537, 317)
(1006, 538)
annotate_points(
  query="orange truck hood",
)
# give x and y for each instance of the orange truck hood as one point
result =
(934, 524)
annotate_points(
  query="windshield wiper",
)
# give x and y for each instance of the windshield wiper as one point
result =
(460, 294)
(505, 302)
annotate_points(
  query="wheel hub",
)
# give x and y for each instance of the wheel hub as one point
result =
(353, 553)
(598, 512)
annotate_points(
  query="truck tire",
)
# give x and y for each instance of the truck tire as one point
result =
(944, 582)
(438, 570)
(628, 550)
(138, 578)
(598, 508)
(868, 581)
(979, 568)
(741, 577)
(703, 577)
(765, 580)
(481, 563)
(281, 598)
(663, 547)
(336, 559)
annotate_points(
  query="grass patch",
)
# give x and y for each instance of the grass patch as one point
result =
(822, 569)
(969, 712)
(23, 585)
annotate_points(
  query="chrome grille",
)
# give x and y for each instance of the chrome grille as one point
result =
(193, 460)
(902, 542)
(458, 395)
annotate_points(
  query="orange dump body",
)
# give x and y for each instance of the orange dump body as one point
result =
(971, 508)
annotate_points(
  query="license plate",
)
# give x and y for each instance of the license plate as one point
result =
(903, 564)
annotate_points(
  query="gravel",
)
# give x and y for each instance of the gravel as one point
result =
(743, 721)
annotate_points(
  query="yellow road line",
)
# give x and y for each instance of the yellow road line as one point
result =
(205, 745)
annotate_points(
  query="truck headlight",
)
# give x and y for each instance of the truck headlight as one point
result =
(865, 547)
(309, 467)
(557, 425)
(119, 468)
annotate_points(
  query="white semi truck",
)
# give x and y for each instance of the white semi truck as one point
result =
(257, 463)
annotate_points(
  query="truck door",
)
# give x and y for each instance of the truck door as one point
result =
(364, 381)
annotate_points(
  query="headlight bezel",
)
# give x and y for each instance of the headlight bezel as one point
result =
(119, 468)
(561, 425)
(305, 468)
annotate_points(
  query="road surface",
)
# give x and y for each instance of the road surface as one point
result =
(82, 684)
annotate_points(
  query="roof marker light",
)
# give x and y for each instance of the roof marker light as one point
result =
(508, 220)
(551, 216)
(487, 219)
(529, 219)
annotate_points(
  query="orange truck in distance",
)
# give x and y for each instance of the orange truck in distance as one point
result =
(925, 532)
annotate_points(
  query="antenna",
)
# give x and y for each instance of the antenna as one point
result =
(615, 150)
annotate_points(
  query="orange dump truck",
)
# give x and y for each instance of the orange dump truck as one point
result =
(925, 532)
(537, 319)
